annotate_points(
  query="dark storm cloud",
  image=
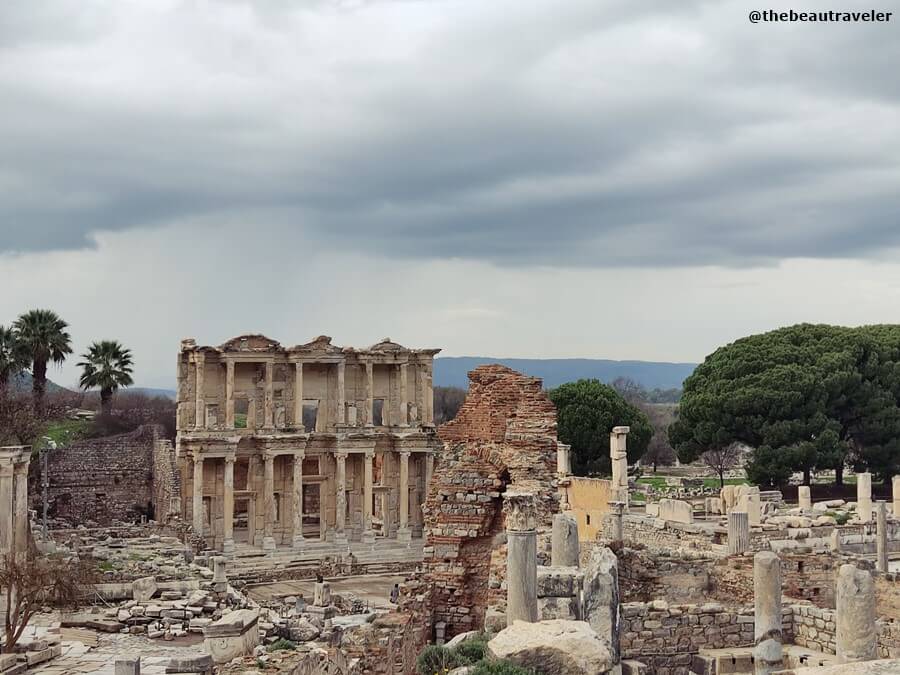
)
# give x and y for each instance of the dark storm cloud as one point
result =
(578, 133)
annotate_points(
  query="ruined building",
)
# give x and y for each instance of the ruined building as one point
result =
(311, 447)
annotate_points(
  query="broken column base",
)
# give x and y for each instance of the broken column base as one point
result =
(228, 547)
(298, 543)
(322, 613)
(268, 544)
(404, 534)
(235, 634)
(767, 657)
(368, 537)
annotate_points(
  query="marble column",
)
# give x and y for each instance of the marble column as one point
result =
(881, 537)
(199, 393)
(370, 394)
(403, 532)
(297, 493)
(340, 504)
(268, 543)
(20, 519)
(563, 468)
(228, 507)
(368, 535)
(269, 402)
(855, 615)
(429, 471)
(404, 403)
(341, 395)
(298, 396)
(619, 458)
(521, 557)
(564, 541)
(198, 494)
(738, 533)
(804, 499)
(229, 394)
(429, 395)
(895, 487)
(9, 456)
(864, 497)
(767, 653)
(618, 527)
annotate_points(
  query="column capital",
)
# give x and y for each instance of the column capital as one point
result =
(340, 454)
(405, 453)
(370, 454)
(230, 459)
(300, 454)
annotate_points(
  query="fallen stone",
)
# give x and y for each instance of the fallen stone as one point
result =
(144, 589)
(555, 647)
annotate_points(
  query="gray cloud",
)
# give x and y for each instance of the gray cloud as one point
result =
(583, 134)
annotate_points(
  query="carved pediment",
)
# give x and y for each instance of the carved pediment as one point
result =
(251, 343)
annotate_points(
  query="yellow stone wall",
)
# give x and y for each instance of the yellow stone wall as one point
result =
(589, 498)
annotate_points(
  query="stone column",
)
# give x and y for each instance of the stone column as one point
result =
(340, 504)
(220, 578)
(618, 527)
(198, 494)
(298, 395)
(855, 615)
(229, 394)
(268, 404)
(268, 543)
(368, 536)
(298, 499)
(804, 499)
(521, 557)
(228, 507)
(403, 532)
(881, 535)
(429, 395)
(429, 471)
(564, 541)
(370, 394)
(341, 395)
(864, 497)
(20, 516)
(563, 468)
(738, 533)
(199, 394)
(619, 459)
(767, 654)
(895, 486)
(404, 403)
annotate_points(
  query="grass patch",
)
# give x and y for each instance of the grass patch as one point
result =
(656, 481)
(64, 431)
(714, 482)
(638, 497)
(106, 566)
(240, 420)
(282, 644)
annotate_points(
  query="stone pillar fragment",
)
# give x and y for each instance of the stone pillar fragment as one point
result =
(368, 535)
(403, 532)
(128, 666)
(341, 395)
(738, 533)
(220, 579)
(804, 499)
(228, 507)
(895, 487)
(855, 615)
(14, 462)
(864, 497)
(199, 393)
(269, 401)
(563, 459)
(429, 395)
(198, 494)
(618, 527)
(881, 537)
(370, 394)
(619, 458)
(429, 471)
(298, 395)
(767, 654)
(564, 542)
(268, 542)
(404, 402)
(521, 557)
(340, 504)
(297, 503)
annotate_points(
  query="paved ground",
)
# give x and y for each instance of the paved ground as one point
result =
(372, 588)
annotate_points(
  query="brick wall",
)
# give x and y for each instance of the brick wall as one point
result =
(504, 435)
(102, 479)
(166, 481)
(803, 577)
(644, 577)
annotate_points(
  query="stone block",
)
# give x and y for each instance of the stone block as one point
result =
(676, 510)
(235, 634)
(559, 582)
(557, 646)
(143, 589)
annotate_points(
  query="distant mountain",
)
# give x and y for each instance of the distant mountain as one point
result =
(450, 371)
(22, 383)
(150, 391)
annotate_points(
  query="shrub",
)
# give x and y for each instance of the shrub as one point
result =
(436, 659)
(841, 517)
(282, 644)
(501, 668)
(472, 650)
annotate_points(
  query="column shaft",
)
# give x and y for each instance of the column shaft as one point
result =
(895, 487)
(521, 558)
(368, 532)
(881, 538)
(738, 532)
(370, 394)
(340, 504)
(854, 615)
(864, 497)
(269, 403)
(298, 395)
(269, 488)
(404, 404)
(199, 393)
(198, 495)
(229, 394)
(564, 548)
(298, 499)
(403, 532)
(341, 403)
(767, 654)
(20, 511)
(429, 395)
(228, 506)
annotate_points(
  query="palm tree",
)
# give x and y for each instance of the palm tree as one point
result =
(44, 338)
(107, 365)
(13, 357)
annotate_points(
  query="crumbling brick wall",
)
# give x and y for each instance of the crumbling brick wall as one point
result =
(504, 435)
(166, 481)
(101, 479)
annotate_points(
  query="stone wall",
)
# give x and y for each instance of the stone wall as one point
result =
(166, 481)
(644, 577)
(102, 479)
(503, 436)
(661, 535)
(887, 595)
(814, 628)
(803, 577)
(589, 499)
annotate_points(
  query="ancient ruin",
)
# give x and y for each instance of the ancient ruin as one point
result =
(310, 448)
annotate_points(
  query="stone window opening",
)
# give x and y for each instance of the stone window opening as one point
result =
(241, 409)
(310, 414)
(378, 412)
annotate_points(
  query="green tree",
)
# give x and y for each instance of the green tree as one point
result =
(807, 397)
(44, 337)
(587, 410)
(107, 366)
(13, 357)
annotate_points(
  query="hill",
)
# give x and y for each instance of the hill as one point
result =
(450, 371)
(22, 383)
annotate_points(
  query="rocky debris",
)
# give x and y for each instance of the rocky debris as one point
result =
(143, 589)
(555, 647)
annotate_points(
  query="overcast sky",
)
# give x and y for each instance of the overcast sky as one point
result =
(642, 180)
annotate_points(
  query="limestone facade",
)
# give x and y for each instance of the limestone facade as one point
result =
(280, 447)
(14, 462)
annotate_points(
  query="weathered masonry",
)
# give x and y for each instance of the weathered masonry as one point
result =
(308, 445)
